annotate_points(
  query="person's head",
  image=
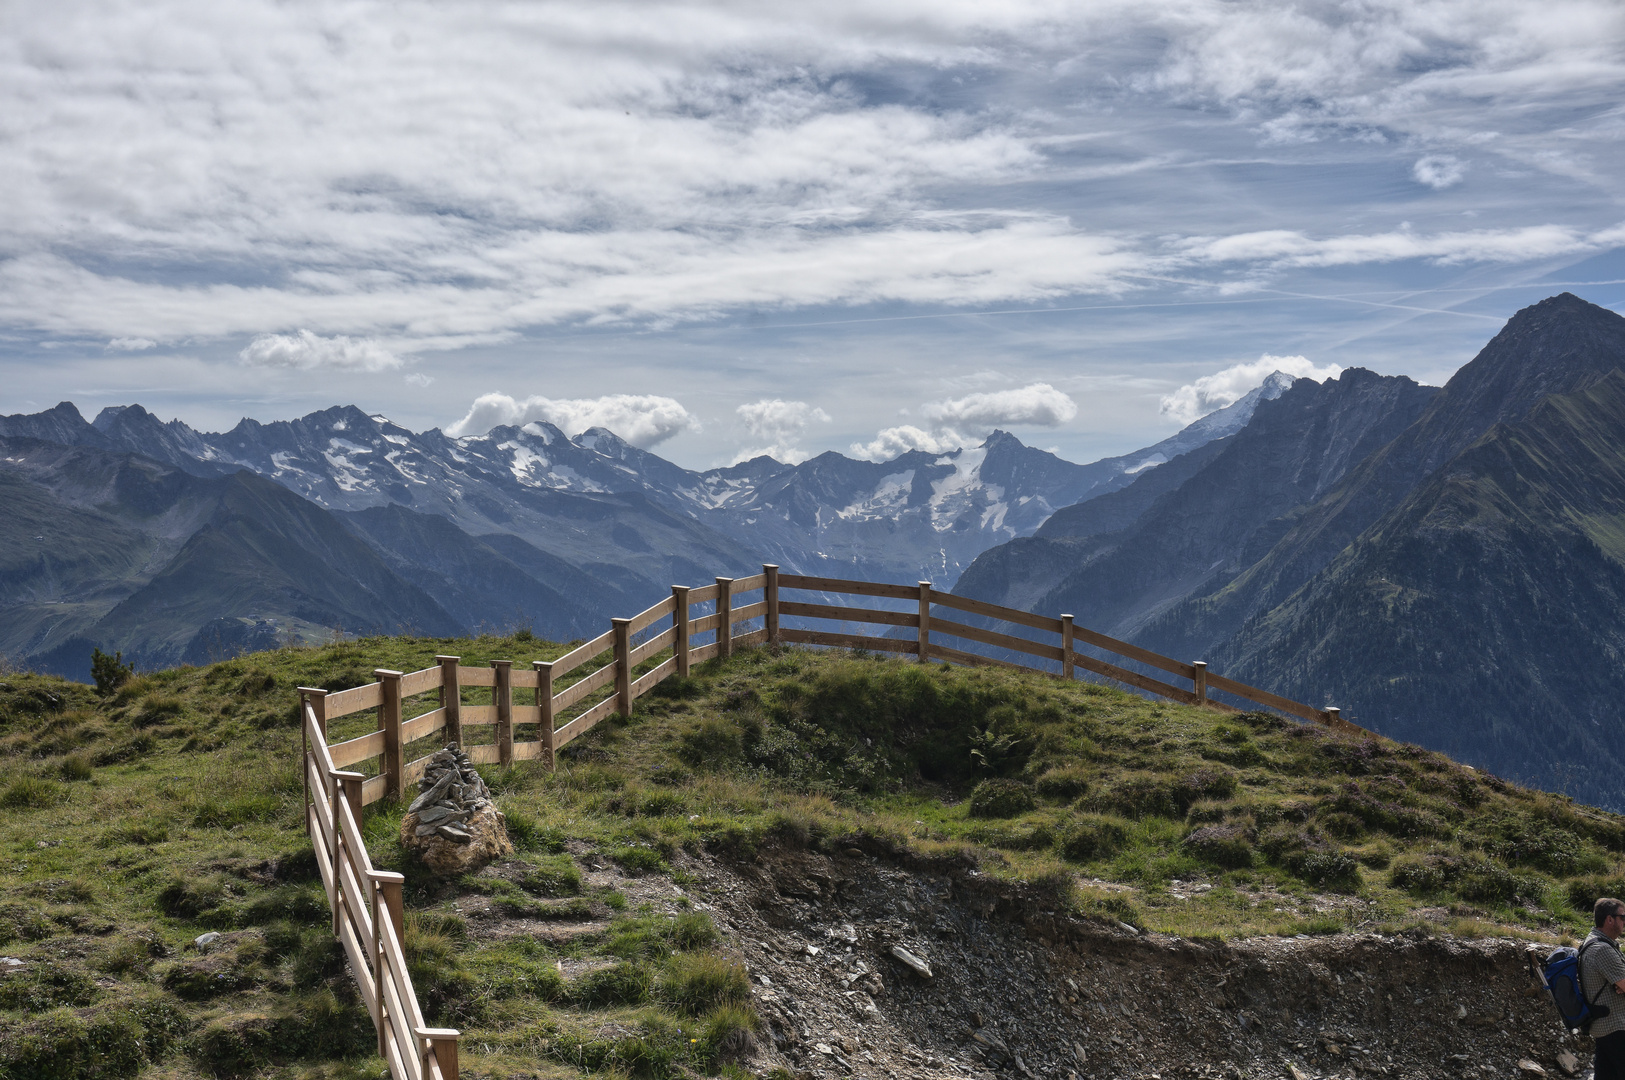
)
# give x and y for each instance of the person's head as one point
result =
(1609, 916)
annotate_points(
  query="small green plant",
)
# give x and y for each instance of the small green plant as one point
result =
(1065, 782)
(998, 798)
(695, 983)
(1091, 837)
(638, 860)
(109, 672)
(618, 984)
(75, 768)
(994, 752)
(1228, 846)
(555, 876)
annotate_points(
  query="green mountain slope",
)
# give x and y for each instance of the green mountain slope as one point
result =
(1557, 346)
(1483, 614)
(265, 550)
(132, 824)
(112, 550)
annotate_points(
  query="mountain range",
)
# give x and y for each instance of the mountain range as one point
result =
(1446, 565)
(173, 545)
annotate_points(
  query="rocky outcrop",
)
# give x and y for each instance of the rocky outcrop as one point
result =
(453, 825)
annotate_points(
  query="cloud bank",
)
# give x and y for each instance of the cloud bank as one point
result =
(959, 422)
(1195, 400)
(439, 175)
(777, 425)
(644, 420)
(305, 351)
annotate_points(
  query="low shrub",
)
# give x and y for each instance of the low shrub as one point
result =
(653, 937)
(32, 793)
(206, 979)
(1091, 837)
(1205, 783)
(43, 986)
(638, 860)
(999, 798)
(528, 834)
(728, 1034)
(695, 983)
(1064, 782)
(235, 1045)
(1229, 846)
(711, 744)
(65, 1046)
(557, 876)
(1467, 876)
(1138, 797)
(437, 972)
(1013, 837)
(618, 984)
(190, 898)
(1583, 893)
(75, 768)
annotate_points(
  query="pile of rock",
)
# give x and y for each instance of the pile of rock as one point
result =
(454, 825)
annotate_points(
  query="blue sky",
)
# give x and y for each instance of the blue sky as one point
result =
(723, 228)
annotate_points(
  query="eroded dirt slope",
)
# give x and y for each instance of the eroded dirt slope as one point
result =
(1017, 988)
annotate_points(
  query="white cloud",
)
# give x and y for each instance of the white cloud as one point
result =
(777, 425)
(657, 161)
(130, 344)
(1034, 405)
(1281, 248)
(417, 378)
(1195, 400)
(641, 419)
(893, 441)
(434, 176)
(1439, 171)
(960, 421)
(306, 351)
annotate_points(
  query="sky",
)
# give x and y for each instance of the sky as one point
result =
(729, 228)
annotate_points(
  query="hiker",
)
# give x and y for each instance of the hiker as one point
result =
(1603, 965)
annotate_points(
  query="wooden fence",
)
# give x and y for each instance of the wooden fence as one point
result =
(366, 903)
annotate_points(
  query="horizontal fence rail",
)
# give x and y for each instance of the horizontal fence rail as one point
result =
(562, 699)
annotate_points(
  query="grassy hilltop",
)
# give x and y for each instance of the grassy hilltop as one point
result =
(131, 824)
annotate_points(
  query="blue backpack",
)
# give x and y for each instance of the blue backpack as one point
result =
(1561, 974)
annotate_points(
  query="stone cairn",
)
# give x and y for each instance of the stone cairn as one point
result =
(454, 825)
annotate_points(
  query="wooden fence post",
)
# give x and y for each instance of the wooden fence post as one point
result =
(679, 623)
(770, 593)
(442, 1047)
(389, 721)
(622, 629)
(725, 626)
(451, 699)
(346, 792)
(544, 705)
(1334, 716)
(317, 700)
(1068, 664)
(1199, 681)
(386, 904)
(502, 693)
(925, 622)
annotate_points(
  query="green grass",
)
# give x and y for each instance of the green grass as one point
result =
(136, 822)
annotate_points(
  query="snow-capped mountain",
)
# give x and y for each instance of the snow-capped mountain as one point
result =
(547, 528)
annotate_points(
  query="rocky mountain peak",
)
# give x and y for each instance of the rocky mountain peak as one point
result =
(1557, 346)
